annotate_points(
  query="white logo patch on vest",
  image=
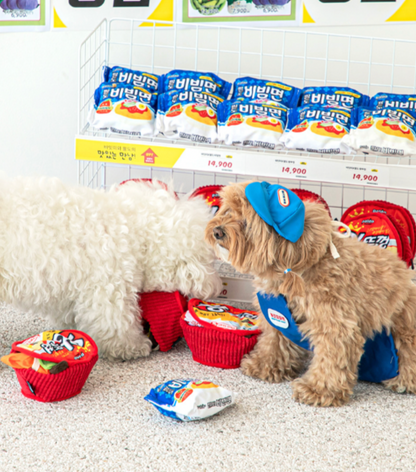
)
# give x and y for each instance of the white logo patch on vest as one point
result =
(278, 319)
(283, 197)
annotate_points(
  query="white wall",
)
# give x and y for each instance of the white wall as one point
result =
(38, 97)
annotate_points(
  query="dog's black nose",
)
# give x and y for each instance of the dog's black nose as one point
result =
(218, 232)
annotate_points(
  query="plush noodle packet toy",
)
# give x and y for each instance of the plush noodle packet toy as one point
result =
(389, 131)
(248, 88)
(189, 115)
(338, 97)
(124, 109)
(135, 78)
(189, 400)
(53, 365)
(183, 80)
(318, 129)
(393, 100)
(257, 123)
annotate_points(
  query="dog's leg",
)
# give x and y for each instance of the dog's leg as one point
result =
(337, 348)
(404, 335)
(114, 324)
(274, 358)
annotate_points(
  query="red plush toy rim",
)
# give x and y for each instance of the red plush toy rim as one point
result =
(162, 184)
(206, 190)
(397, 231)
(217, 348)
(70, 362)
(308, 195)
(239, 332)
(407, 249)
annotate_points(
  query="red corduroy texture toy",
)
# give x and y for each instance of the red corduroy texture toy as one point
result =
(163, 310)
(219, 335)
(75, 347)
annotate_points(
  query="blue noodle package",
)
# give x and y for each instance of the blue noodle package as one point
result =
(184, 80)
(189, 400)
(389, 131)
(124, 109)
(188, 115)
(136, 78)
(257, 123)
(318, 129)
(248, 88)
(339, 97)
(393, 100)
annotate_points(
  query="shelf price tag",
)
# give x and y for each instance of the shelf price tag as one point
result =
(369, 175)
(211, 161)
(288, 168)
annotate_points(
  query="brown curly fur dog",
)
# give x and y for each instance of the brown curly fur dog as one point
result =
(337, 303)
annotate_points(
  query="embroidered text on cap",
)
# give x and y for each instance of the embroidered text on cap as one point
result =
(278, 319)
(283, 197)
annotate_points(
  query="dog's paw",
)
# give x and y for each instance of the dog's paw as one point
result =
(252, 366)
(400, 385)
(306, 392)
(127, 352)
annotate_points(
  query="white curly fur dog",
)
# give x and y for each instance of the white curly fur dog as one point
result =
(80, 256)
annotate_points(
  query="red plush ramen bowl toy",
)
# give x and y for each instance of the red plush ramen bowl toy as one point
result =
(53, 365)
(219, 335)
(210, 195)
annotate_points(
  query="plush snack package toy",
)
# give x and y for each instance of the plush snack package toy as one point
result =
(210, 195)
(339, 97)
(188, 115)
(219, 335)
(383, 224)
(189, 400)
(389, 131)
(183, 80)
(124, 109)
(247, 88)
(318, 129)
(256, 123)
(53, 365)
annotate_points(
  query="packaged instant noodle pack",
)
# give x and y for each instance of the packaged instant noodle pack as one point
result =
(190, 400)
(204, 108)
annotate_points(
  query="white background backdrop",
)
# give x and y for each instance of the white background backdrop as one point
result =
(39, 93)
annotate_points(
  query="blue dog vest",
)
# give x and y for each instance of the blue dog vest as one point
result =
(379, 361)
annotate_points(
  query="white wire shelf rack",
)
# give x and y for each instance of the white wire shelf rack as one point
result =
(294, 56)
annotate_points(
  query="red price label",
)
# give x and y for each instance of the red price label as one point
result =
(365, 177)
(219, 164)
(294, 170)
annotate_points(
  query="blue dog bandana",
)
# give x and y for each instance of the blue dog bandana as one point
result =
(379, 361)
(279, 207)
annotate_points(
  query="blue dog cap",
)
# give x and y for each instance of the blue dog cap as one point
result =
(279, 207)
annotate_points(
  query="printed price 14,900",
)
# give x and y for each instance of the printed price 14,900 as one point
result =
(224, 164)
(370, 178)
(293, 170)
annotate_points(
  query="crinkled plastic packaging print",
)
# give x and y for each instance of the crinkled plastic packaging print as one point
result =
(393, 100)
(124, 109)
(189, 400)
(136, 78)
(248, 88)
(189, 115)
(389, 131)
(318, 129)
(257, 123)
(183, 80)
(339, 97)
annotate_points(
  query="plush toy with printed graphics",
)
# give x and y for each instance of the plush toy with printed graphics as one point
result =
(265, 122)
(328, 128)
(133, 109)
(318, 292)
(395, 128)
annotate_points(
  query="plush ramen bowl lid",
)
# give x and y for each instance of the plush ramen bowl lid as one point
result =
(219, 335)
(211, 196)
(74, 348)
